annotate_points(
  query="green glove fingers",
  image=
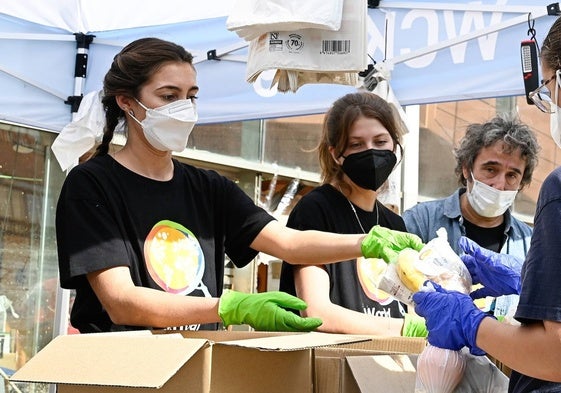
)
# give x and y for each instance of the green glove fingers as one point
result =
(386, 243)
(287, 321)
(285, 300)
(265, 311)
(414, 326)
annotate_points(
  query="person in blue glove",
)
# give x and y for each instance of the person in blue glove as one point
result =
(361, 135)
(494, 160)
(142, 237)
(533, 348)
(499, 274)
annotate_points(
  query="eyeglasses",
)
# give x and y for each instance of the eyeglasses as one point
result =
(542, 96)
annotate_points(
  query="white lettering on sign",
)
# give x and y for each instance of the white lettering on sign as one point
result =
(431, 18)
(433, 23)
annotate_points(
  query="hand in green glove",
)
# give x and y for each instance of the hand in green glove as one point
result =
(414, 326)
(265, 311)
(387, 243)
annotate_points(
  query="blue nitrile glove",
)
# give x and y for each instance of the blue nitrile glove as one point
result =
(452, 318)
(414, 326)
(498, 273)
(387, 243)
(265, 311)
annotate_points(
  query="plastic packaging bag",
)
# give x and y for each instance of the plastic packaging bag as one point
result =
(252, 18)
(313, 55)
(438, 370)
(436, 261)
(480, 375)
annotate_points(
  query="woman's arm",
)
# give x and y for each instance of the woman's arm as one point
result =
(312, 286)
(313, 247)
(306, 247)
(128, 304)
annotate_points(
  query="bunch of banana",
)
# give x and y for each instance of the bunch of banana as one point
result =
(408, 273)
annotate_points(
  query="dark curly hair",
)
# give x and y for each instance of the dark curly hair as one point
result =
(506, 128)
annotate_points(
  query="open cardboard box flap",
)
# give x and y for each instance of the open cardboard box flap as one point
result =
(299, 341)
(110, 360)
(389, 373)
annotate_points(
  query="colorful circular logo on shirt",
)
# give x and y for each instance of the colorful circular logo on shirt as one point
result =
(369, 271)
(174, 257)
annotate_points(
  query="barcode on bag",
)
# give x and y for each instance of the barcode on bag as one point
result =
(335, 46)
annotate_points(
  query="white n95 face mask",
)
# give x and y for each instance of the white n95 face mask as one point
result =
(488, 201)
(555, 119)
(168, 127)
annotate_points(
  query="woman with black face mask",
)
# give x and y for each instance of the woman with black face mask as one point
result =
(357, 153)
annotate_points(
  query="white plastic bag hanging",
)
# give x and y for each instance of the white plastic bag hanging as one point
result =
(313, 55)
(79, 136)
(252, 18)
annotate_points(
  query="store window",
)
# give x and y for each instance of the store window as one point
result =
(30, 182)
(442, 125)
(289, 142)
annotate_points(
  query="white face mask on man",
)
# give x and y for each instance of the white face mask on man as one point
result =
(168, 127)
(555, 119)
(487, 201)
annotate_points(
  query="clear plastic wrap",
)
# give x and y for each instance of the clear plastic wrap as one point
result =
(436, 261)
(439, 370)
(439, 263)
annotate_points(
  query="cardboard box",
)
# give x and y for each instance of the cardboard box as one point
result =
(397, 373)
(333, 373)
(384, 373)
(179, 362)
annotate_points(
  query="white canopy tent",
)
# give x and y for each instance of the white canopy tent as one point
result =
(436, 51)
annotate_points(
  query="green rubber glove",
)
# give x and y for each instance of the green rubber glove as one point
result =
(265, 311)
(414, 326)
(387, 243)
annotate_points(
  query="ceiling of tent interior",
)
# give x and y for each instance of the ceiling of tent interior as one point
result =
(435, 51)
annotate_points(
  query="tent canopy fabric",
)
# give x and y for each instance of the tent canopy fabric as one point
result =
(436, 51)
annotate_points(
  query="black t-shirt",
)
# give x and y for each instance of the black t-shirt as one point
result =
(489, 238)
(326, 209)
(171, 234)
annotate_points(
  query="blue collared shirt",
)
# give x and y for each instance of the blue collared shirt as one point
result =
(425, 218)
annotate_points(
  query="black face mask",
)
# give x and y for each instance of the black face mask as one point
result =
(370, 168)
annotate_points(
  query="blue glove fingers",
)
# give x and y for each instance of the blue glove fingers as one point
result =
(481, 293)
(433, 307)
(468, 246)
(451, 317)
(472, 267)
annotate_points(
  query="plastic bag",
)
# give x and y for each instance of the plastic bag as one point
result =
(436, 261)
(439, 263)
(306, 56)
(438, 370)
(252, 18)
